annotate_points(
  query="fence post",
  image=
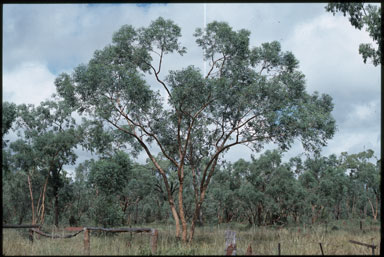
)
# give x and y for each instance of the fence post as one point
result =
(321, 248)
(30, 235)
(361, 225)
(230, 242)
(154, 241)
(278, 249)
(87, 246)
(373, 248)
(249, 250)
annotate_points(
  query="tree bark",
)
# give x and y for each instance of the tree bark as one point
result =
(32, 204)
(203, 189)
(56, 206)
(182, 214)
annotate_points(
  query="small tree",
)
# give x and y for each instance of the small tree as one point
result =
(249, 96)
(47, 139)
(109, 176)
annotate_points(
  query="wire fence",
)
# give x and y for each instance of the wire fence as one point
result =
(87, 245)
(231, 238)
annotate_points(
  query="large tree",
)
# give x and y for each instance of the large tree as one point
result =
(250, 96)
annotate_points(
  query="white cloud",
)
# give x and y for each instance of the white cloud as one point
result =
(30, 83)
(40, 41)
(352, 143)
(327, 48)
(366, 111)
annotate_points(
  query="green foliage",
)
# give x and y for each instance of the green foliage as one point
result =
(106, 211)
(47, 137)
(110, 175)
(16, 201)
(8, 112)
(250, 96)
(363, 15)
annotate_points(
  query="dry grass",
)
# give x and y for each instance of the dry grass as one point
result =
(209, 240)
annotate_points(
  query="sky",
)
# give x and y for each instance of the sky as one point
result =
(40, 41)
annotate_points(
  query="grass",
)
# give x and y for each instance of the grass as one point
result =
(209, 240)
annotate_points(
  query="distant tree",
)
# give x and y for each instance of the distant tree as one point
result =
(223, 191)
(16, 200)
(249, 96)
(364, 176)
(83, 194)
(47, 138)
(363, 15)
(333, 186)
(108, 176)
(8, 112)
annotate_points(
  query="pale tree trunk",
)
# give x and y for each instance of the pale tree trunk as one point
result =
(41, 208)
(374, 212)
(181, 207)
(170, 197)
(39, 216)
(315, 213)
(203, 189)
(32, 204)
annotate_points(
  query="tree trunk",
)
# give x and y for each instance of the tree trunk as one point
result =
(196, 213)
(374, 213)
(56, 193)
(169, 193)
(181, 211)
(159, 205)
(314, 216)
(136, 213)
(259, 212)
(32, 204)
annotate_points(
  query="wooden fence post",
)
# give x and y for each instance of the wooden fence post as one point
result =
(321, 248)
(278, 249)
(30, 235)
(249, 250)
(373, 247)
(154, 241)
(363, 244)
(230, 242)
(87, 246)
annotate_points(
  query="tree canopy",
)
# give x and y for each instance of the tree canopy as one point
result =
(250, 96)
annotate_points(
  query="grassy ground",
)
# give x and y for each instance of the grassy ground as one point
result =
(209, 240)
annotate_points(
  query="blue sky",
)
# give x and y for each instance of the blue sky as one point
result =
(41, 41)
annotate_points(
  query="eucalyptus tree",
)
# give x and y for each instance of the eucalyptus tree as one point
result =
(47, 138)
(310, 180)
(250, 96)
(108, 176)
(333, 185)
(363, 15)
(223, 192)
(364, 175)
(8, 116)
(15, 196)
(8, 112)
